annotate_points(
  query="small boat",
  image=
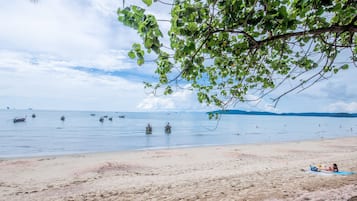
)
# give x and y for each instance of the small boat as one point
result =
(110, 118)
(33, 115)
(121, 116)
(101, 120)
(105, 116)
(168, 128)
(92, 114)
(17, 120)
(148, 130)
(63, 118)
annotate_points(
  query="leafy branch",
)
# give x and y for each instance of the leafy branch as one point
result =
(226, 49)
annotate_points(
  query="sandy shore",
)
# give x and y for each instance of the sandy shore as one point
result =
(243, 172)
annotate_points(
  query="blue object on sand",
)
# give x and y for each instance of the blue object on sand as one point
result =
(343, 173)
(314, 168)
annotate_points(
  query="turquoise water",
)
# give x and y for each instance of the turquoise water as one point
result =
(46, 134)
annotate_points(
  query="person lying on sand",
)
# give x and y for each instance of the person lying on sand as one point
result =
(319, 168)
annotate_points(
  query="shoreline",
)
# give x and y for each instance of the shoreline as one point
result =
(2, 158)
(272, 171)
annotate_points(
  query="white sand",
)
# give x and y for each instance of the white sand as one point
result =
(241, 172)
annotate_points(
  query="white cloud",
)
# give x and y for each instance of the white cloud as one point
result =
(181, 100)
(70, 30)
(106, 7)
(62, 28)
(341, 106)
(156, 103)
(108, 60)
(41, 43)
(52, 84)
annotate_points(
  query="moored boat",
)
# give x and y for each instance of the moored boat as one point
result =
(168, 128)
(148, 130)
(17, 120)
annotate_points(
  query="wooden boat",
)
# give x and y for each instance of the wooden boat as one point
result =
(168, 129)
(148, 130)
(17, 120)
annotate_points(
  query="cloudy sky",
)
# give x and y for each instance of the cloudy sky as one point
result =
(72, 55)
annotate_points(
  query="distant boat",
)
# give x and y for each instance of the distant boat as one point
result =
(17, 120)
(105, 116)
(33, 115)
(63, 118)
(168, 128)
(110, 118)
(92, 114)
(148, 130)
(101, 120)
(121, 116)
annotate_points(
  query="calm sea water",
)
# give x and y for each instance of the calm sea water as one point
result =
(46, 134)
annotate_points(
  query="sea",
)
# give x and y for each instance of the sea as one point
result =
(82, 132)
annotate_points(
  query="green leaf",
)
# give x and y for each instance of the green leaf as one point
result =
(168, 90)
(131, 54)
(136, 46)
(148, 43)
(140, 61)
(147, 2)
(344, 67)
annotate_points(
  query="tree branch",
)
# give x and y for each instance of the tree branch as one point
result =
(250, 38)
(332, 29)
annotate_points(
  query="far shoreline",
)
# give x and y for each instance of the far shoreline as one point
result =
(294, 114)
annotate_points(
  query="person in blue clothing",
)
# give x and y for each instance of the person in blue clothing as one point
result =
(314, 168)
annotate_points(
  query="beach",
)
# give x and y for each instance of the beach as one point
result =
(275, 171)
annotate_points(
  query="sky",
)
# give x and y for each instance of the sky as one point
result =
(72, 55)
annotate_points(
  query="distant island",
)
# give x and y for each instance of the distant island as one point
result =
(305, 114)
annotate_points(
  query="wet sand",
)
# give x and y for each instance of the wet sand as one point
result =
(240, 172)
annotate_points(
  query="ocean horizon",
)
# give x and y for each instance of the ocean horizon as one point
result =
(82, 132)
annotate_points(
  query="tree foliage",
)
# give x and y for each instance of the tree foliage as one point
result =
(226, 49)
